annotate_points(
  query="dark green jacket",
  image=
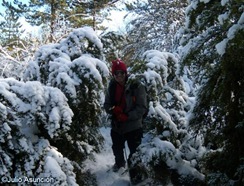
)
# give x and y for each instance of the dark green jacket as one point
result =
(136, 106)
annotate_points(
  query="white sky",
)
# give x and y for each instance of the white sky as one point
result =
(117, 22)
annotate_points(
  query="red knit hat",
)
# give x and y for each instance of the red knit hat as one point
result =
(118, 65)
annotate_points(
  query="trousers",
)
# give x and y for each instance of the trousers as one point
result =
(133, 140)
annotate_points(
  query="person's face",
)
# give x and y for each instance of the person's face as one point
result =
(119, 76)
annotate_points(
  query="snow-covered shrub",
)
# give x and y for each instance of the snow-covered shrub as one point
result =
(168, 144)
(212, 43)
(75, 66)
(30, 113)
(11, 66)
(15, 56)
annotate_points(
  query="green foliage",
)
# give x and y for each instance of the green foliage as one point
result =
(60, 17)
(10, 27)
(88, 10)
(153, 26)
(166, 126)
(30, 114)
(113, 44)
(72, 67)
(214, 41)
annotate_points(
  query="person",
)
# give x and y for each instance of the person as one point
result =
(126, 103)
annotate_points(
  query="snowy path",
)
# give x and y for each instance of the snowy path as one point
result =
(103, 162)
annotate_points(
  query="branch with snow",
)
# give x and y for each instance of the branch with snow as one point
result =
(36, 105)
(25, 110)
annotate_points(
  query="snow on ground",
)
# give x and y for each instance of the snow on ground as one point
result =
(101, 167)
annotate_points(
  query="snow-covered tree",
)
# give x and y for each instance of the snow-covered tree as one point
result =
(113, 44)
(14, 60)
(213, 41)
(75, 66)
(168, 148)
(90, 10)
(154, 25)
(29, 113)
(12, 52)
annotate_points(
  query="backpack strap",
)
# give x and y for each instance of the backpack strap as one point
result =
(111, 91)
(134, 86)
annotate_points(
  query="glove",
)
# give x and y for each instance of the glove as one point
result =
(117, 110)
(122, 117)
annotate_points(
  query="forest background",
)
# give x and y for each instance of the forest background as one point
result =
(188, 54)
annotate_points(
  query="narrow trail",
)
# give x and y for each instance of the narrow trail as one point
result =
(103, 163)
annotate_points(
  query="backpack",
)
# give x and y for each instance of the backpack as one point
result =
(133, 86)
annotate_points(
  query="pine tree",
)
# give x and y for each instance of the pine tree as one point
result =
(45, 12)
(90, 10)
(60, 17)
(113, 44)
(30, 113)
(12, 51)
(213, 48)
(154, 25)
(168, 143)
(10, 27)
(74, 66)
